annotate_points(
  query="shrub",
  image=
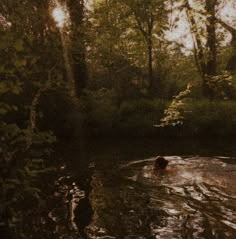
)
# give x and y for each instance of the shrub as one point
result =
(212, 117)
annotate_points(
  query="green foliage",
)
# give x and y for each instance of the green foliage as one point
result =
(213, 118)
(137, 117)
(119, 40)
(19, 169)
(221, 85)
(101, 108)
(25, 70)
(103, 116)
(14, 87)
(174, 114)
(191, 117)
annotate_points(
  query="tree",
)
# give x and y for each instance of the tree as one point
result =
(78, 47)
(203, 20)
(27, 39)
(231, 65)
(116, 51)
(211, 64)
(131, 30)
(205, 53)
(151, 18)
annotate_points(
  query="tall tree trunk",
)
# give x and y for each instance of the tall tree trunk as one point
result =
(78, 48)
(231, 65)
(147, 34)
(206, 63)
(211, 65)
(198, 49)
(150, 64)
(211, 45)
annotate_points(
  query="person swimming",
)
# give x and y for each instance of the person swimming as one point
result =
(160, 163)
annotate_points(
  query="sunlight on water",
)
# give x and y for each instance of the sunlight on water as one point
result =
(194, 198)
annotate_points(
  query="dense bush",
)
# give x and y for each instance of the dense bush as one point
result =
(211, 118)
(137, 117)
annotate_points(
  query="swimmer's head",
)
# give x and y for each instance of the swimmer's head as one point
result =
(160, 163)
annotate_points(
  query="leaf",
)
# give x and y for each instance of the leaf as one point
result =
(32, 190)
(3, 111)
(2, 68)
(19, 45)
(20, 63)
(3, 88)
(14, 181)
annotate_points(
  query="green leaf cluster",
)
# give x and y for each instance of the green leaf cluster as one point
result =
(174, 114)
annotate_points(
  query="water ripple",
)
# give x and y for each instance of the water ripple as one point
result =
(194, 198)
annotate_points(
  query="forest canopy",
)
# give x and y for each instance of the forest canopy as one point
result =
(107, 62)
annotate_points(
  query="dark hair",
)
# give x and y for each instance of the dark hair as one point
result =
(160, 162)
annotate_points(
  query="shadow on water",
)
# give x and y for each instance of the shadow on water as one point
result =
(108, 189)
(73, 211)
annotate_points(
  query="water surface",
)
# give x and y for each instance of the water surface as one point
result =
(195, 198)
(111, 191)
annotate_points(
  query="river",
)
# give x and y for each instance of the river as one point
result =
(108, 189)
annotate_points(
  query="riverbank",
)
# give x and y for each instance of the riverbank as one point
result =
(201, 118)
(103, 117)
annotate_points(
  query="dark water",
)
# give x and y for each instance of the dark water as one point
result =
(108, 189)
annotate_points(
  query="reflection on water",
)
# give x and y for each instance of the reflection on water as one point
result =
(105, 192)
(194, 198)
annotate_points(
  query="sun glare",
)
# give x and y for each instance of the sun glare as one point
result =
(59, 15)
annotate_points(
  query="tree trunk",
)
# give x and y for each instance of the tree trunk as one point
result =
(150, 64)
(211, 65)
(231, 65)
(211, 62)
(198, 46)
(78, 48)
(206, 64)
